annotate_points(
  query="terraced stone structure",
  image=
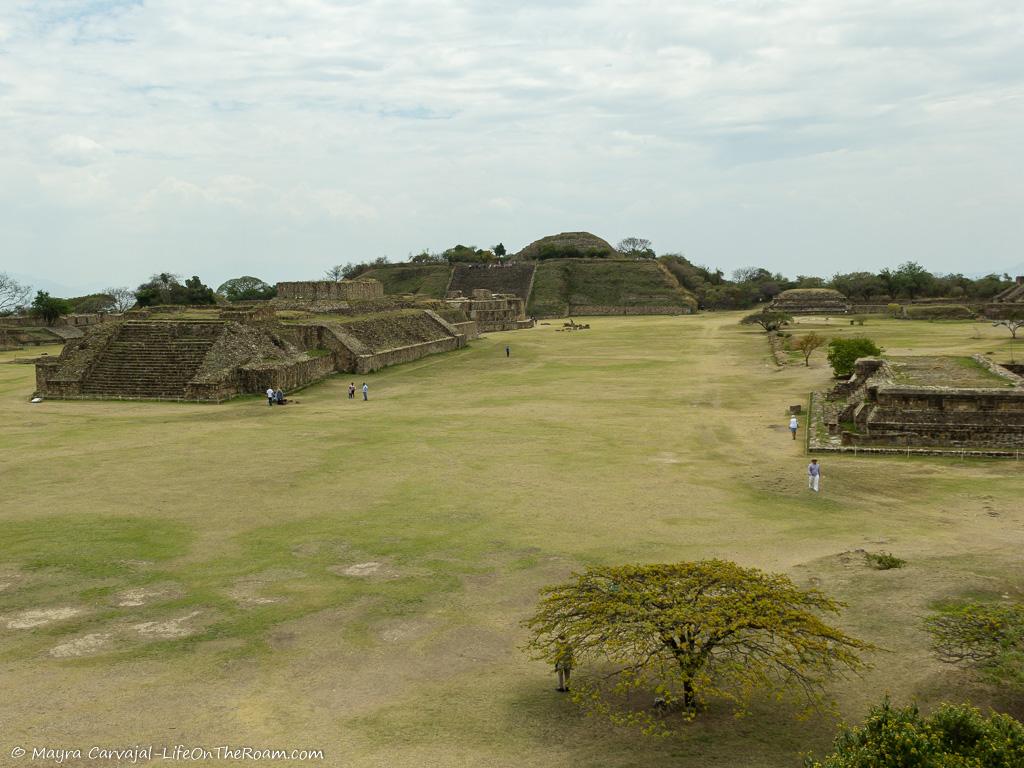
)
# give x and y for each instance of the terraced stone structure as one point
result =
(1012, 295)
(501, 279)
(211, 355)
(811, 301)
(490, 311)
(930, 404)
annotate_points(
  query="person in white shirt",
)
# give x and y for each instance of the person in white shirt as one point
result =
(270, 395)
(366, 391)
(814, 475)
(794, 425)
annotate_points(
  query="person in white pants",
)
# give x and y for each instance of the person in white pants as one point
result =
(814, 475)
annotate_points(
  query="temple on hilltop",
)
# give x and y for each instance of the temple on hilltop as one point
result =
(811, 301)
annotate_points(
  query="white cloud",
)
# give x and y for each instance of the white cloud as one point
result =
(850, 132)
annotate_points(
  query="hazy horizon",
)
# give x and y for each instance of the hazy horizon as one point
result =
(277, 140)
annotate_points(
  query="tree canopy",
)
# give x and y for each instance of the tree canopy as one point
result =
(688, 632)
(636, 247)
(166, 288)
(769, 319)
(49, 308)
(13, 295)
(843, 353)
(246, 288)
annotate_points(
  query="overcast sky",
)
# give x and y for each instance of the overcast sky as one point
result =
(277, 138)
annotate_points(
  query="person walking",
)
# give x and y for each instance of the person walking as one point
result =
(794, 425)
(508, 350)
(366, 391)
(563, 664)
(814, 475)
(351, 390)
(270, 395)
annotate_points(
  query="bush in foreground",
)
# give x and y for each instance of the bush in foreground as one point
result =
(953, 737)
(684, 633)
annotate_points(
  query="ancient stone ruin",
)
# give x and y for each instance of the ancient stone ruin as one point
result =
(1012, 295)
(490, 311)
(501, 279)
(811, 301)
(209, 354)
(329, 290)
(923, 404)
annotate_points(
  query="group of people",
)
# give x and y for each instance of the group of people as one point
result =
(352, 391)
(276, 397)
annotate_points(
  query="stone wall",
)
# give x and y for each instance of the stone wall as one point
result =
(582, 310)
(510, 278)
(388, 357)
(326, 290)
(287, 377)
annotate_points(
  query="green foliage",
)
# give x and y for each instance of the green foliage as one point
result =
(989, 638)
(953, 737)
(467, 254)
(859, 286)
(165, 288)
(499, 250)
(566, 251)
(636, 247)
(910, 279)
(770, 320)
(424, 279)
(49, 308)
(884, 561)
(686, 633)
(843, 353)
(247, 288)
(94, 302)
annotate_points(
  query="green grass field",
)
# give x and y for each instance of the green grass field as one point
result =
(351, 576)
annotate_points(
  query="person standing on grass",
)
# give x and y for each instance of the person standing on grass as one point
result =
(366, 391)
(351, 390)
(508, 350)
(794, 425)
(563, 664)
(814, 475)
(270, 395)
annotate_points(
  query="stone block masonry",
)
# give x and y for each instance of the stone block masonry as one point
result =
(326, 290)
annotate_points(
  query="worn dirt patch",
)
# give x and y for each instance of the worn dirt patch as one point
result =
(131, 598)
(370, 569)
(248, 591)
(38, 617)
(666, 457)
(171, 629)
(81, 646)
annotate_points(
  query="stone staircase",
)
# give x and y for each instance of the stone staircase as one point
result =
(151, 359)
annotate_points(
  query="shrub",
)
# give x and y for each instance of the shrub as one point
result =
(953, 736)
(883, 561)
(843, 353)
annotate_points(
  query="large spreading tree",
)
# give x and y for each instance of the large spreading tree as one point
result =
(769, 319)
(688, 632)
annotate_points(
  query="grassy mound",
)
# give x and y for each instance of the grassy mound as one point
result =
(578, 245)
(426, 280)
(564, 284)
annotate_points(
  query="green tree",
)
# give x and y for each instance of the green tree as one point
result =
(808, 343)
(989, 638)
(910, 279)
(768, 319)
(953, 737)
(499, 250)
(246, 288)
(843, 353)
(688, 632)
(858, 285)
(49, 308)
(636, 247)
(166, 288)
